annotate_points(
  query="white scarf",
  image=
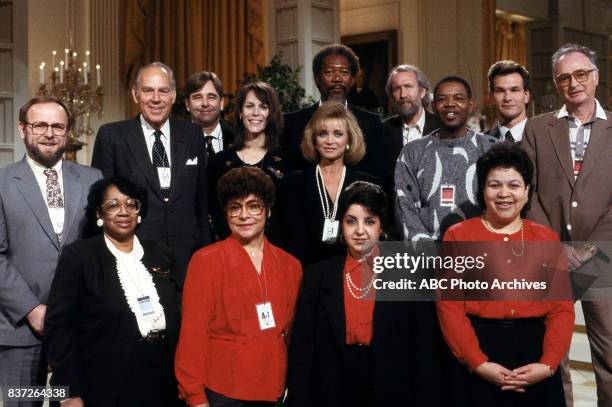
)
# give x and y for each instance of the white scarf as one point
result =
(137, 283)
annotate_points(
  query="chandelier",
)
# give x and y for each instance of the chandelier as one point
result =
(75, 83)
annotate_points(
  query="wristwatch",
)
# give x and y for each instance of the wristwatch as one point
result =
(590, 247)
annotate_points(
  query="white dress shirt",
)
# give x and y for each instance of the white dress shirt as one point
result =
(148, 131)
(516, 130)
(55, 214)
(411, 133)
(217, 138)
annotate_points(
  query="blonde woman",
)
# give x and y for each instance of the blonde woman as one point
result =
(308, 202)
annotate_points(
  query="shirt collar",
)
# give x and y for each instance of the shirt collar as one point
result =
(420, 123)
(38, 167)
(165, 128)
(516, 130)
(600, 113)
(216, 133)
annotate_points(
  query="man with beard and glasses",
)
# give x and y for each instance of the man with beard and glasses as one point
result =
(204, 101)
(42, 208)
(334, 68)
(509, 84)
(435, 175)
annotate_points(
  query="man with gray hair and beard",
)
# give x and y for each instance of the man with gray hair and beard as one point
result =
(409, 90)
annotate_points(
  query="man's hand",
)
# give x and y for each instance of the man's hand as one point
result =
(36, 318)
(73, 402)
(577, 257)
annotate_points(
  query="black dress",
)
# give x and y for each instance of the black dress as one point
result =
(224, 161)
(299, 219)
(92, 338)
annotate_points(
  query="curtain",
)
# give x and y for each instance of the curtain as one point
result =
(510, 41)
(223, 36)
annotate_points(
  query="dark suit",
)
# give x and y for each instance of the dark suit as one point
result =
(182, 222)
(494, 132)
(29, 250)
(371, 127)
(405, 368)
(227, 134)
(93, 342)
(298, 217)
(394, 135)
(579, 209)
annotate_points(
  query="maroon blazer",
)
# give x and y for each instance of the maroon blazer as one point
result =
(577, 209)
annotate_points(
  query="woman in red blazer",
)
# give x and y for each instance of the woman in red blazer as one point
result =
(238, 304)
(509, 348)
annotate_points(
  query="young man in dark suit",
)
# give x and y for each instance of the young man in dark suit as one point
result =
(204, 101)
(509, 89)
(166, 156)
(335, 68)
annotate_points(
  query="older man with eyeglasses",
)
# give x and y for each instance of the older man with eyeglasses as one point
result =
(573, 195)
(42, 201)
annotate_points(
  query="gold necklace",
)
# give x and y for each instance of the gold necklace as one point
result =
(490, 228)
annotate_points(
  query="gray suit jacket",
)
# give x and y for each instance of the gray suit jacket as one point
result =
(29, 249)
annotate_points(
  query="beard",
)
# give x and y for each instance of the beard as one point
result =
(408, 110)
(48, 160)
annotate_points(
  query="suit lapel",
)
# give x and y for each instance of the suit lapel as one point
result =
(559, 136)
(177, 155)
(332, 298)
(600, 134)
(73, 191)
(138, 146)
(28, 187)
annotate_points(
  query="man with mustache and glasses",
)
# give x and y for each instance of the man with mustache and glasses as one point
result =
(571, 152)
(334, 68)
(204, 101)
(509, 84)
(435, 175)
(42, 201)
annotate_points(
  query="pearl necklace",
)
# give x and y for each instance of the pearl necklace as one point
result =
(490, 228)
(363, 291)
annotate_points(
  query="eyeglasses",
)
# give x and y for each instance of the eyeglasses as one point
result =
(581, 75)
(113, 206)
(253, 208)
(40, 128)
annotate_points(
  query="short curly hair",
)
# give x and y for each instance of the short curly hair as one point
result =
(241, 182)
(335, 49)
(328, 111)
(95, 200)
(504, 155)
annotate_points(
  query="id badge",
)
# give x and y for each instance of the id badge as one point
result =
(146, 307)
(265, 315)
(577, 167)
(330, 231)
(447, 195)
(164, 177)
